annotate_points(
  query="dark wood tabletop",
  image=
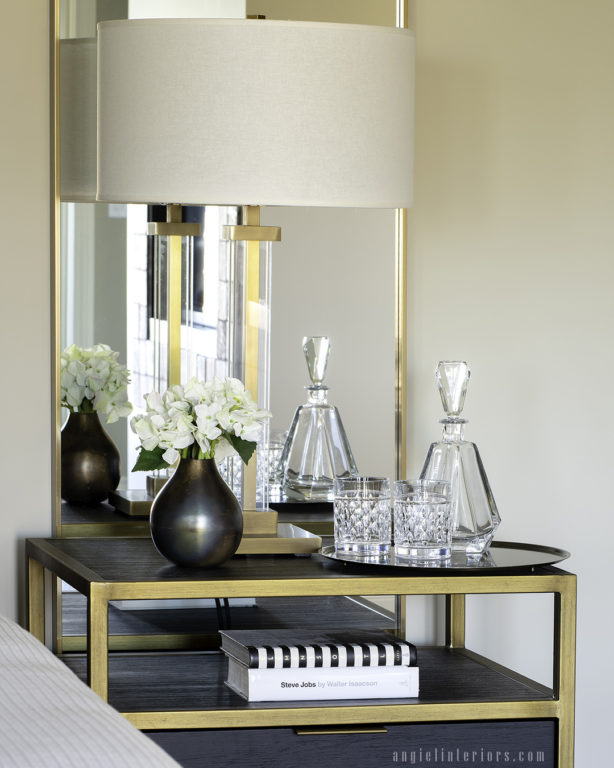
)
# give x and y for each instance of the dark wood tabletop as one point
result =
(82, 561)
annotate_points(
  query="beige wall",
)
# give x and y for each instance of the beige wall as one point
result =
(25, 388)
(512, 269)
(340, 11)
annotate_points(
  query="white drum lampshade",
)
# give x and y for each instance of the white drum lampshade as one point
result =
(237, 112)
(78, 120)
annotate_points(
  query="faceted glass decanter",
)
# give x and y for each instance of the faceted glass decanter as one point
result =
(316, 450)
(457, 461)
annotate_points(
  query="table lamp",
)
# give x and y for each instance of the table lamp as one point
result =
(250, 113)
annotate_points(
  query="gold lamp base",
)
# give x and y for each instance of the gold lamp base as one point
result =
(288, 539)
(137, 503)
(262, 534)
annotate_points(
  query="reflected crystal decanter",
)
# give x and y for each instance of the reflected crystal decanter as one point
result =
(458, 462)
(316, 450)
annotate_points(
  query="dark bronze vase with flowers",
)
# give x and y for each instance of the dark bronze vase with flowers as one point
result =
(90, 460)
(196, 520)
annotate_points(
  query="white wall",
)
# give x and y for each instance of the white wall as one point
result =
(512, 269)
(25, 386)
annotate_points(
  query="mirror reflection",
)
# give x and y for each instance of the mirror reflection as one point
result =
(326, 273)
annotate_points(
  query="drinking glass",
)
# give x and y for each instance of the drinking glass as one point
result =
(362, 515)
(422, 520)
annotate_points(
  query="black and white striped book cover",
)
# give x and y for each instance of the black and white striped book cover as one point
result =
(291, 649)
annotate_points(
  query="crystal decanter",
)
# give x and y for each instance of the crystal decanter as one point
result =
(458, 462)
(316, 450)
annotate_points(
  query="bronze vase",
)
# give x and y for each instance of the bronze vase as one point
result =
(196, 520)
(90, 460)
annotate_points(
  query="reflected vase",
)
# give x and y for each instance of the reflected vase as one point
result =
(90, 460)
(196, 520)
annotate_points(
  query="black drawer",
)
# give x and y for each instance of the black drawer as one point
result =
(519, 743)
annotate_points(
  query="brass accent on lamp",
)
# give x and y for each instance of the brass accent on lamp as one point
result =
(328, 121)
(175, 229)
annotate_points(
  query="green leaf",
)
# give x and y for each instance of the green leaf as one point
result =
(244, 448)
(149, 460)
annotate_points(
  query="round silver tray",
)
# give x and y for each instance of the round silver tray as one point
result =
(502, 555)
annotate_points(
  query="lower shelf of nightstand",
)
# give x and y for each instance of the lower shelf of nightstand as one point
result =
(187, 690)
(197, 628)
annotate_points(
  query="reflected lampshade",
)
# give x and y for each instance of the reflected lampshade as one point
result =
(78, 120)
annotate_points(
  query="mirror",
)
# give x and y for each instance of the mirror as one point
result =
(333, 273)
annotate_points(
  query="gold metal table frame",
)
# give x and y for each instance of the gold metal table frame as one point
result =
(309, 577)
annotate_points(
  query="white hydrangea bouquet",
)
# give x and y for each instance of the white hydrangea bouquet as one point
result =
(91, 380)
(199, 420)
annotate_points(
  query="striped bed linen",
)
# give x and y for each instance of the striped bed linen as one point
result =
(49, 718)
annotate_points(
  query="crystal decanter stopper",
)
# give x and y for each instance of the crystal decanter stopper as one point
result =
(316, 450)
(457, 461)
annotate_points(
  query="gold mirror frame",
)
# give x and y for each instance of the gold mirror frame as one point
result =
(400, 289)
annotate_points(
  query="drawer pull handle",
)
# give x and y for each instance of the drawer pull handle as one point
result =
(328, 730)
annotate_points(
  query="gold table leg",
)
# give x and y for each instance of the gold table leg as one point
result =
(565, 667)
(56, 613)
(98, 640)
(455, 621)
(36, 599)
(400, 612)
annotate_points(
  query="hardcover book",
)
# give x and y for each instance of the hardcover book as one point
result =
(290, 648)
(304, 683)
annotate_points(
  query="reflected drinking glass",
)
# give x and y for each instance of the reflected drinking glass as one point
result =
(422, 520)
(362, 515)
(268, 466)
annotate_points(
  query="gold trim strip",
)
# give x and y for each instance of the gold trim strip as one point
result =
(251, 232)
(394, 713)
(400, 320)
(416, 585)
(55, 320)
